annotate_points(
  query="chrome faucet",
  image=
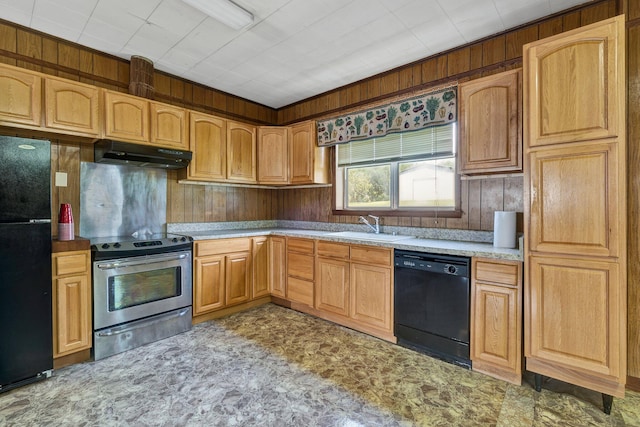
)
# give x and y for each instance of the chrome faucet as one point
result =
(376, 228)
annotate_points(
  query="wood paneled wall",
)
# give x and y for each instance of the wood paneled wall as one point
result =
(37, 51)
(488, 56)
(632, 11)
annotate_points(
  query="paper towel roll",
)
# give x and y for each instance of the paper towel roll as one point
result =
(504, 229)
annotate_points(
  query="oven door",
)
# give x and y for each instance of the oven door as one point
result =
(133, 288)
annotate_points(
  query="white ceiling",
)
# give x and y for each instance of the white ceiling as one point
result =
(295, 49)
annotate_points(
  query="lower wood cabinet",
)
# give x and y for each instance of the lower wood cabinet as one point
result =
(260, 265)
(222, 274)
(496, 318)
(354, 287)
(300, 270)
(72, 327)
(278, 266)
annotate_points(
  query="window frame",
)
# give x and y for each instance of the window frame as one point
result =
(395, 210)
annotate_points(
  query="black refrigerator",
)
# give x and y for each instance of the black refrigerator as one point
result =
(26, 338)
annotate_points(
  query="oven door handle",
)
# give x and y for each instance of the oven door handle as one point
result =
(112, 332)
(147, 261)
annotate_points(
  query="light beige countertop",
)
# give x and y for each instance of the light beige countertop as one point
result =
(402, 240)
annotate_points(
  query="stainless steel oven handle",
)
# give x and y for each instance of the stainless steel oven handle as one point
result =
(147, 261)
(112, 332)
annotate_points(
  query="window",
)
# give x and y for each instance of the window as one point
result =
(399, 172)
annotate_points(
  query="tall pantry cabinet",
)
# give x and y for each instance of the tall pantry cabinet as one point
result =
(575, 208)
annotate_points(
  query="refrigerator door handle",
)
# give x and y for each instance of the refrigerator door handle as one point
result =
(39, 221)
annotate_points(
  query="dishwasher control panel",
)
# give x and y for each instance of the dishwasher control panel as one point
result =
(444, 264)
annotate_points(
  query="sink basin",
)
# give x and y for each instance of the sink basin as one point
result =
(372, 237)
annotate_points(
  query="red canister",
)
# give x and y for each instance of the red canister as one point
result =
(65, 222)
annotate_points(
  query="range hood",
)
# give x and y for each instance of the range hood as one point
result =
(126, 153)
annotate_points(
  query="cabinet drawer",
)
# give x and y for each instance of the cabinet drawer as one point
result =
(371, 255)
(333, 250)
(495, 271)
(300, 291)
(300, 265)
(70, 263)
(300, 245)
(222, 246)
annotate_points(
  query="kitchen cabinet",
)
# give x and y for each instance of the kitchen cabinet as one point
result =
(21, 100)
(71, 107)
(575, 208)
(308, 163)
(260, 267)
(355, 283)
(208, 144)
(168, 126)
(72, 327)
(241, 152)
(491, 124)
(278, 266)
(300, 270)
(372, 288)
(496, 318)
(126, 117)
(222, 274)
(273, 155)
(332, 287)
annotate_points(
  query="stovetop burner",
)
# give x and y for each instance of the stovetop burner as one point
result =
(144, 244)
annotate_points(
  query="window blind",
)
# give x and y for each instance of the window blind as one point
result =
(430, 142)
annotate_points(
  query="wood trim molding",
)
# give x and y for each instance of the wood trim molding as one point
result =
(633, 383)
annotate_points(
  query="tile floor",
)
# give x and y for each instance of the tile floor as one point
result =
(271, 366)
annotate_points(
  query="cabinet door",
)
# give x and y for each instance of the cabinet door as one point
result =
(21, 100)
(496, 322)
(273, 155)
(209, 284)
(72, 107)
(575, 84)
(576, 202)
(491, 124)
(260, 263)
(308, 163)
(126, 117)
(168, 126)
(208, 142)
(332, 286)
(371, 293)
(71, 314)
(241, 152)
(238, 278)
(277, 266)
(576, 316)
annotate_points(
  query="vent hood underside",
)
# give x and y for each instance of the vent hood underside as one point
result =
(126, 153)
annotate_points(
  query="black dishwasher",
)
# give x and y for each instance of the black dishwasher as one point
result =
(431, 305)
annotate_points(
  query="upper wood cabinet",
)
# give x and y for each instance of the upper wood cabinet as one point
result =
(308, 163)
(241, 152)
(575, 207)
(21, 100)
(273, 155)
(208, 143)
(72, 107)
(126, 117)
(168, 126)
(576, 87)
(491, 124)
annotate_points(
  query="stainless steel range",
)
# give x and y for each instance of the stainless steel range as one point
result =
(142, 290)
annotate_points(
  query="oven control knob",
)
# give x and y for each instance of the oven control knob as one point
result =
(183, 239)
(174, 240)
(105, 246)
(451, 269)
(116, 245)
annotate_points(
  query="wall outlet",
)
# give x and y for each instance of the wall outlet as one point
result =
(61, 179)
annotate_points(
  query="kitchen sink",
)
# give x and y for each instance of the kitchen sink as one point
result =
(372, 237)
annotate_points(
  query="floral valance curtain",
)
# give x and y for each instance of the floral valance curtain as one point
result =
(431, 109)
